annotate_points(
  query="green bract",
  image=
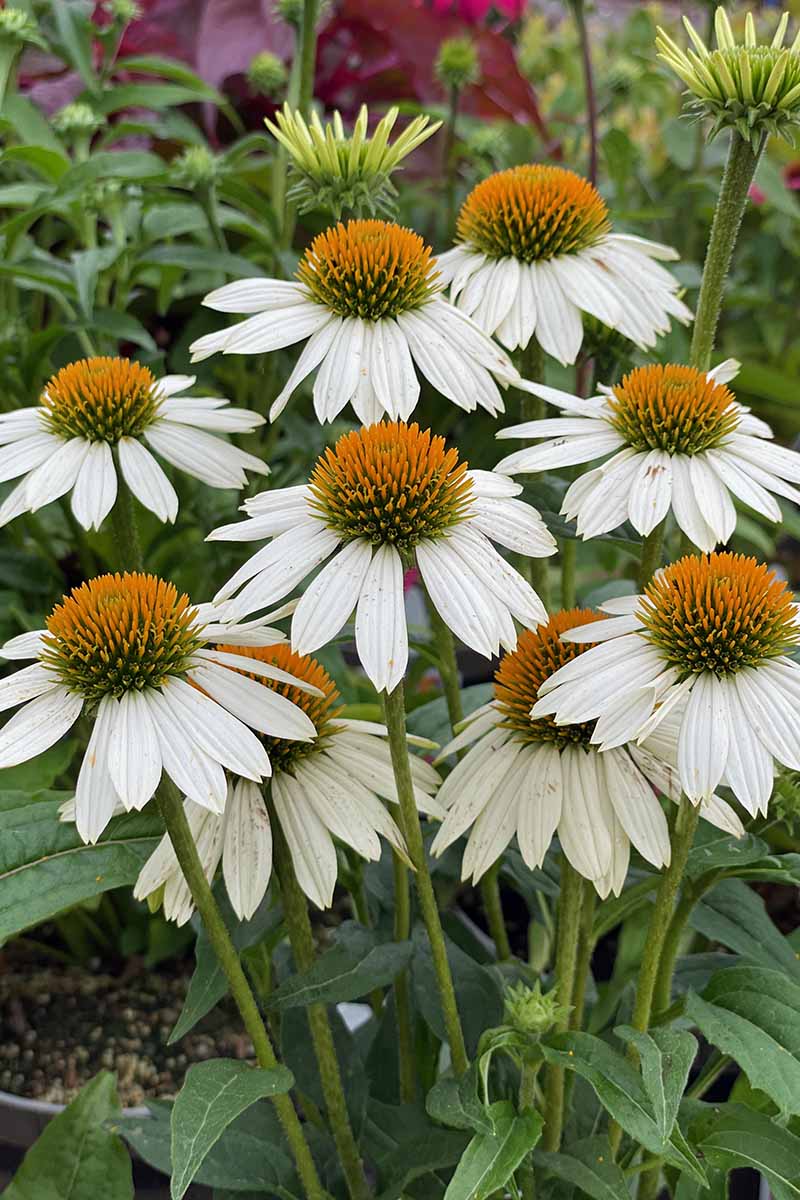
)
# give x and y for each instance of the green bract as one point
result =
(339, 172)
(752, 88)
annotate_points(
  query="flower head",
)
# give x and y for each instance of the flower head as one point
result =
(535, 250)
(752, 88)
(77, 118)
(267, 74)
(385, 498)
(321, 791)
(531, 1011)
(93, 420)
(368, 298)
(131, 652)
(527, 774)
(338, 172)
(678, 441)
(705, 647)
(195, 167)
(457, 63)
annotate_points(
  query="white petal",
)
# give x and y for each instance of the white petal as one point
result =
(636, 806)
(688, 512)
(279, 567)
(748, 771)
(313, 353)
(26, 684)
(704, 737)
(58, 474)
(255, 295)
(26, 454)
(539, 803)
(712, 498)
(474, 782)
(738, 480)
(253, 703)
(331, 597)
(265, 332)
(381, 633)
(247, 849)
(479, 556)
(217, 732)
(24, 645)
(95, 798)
(584, 837)
(495, 826)
(38, 725)
(310, 844)
(772, 718)
(514, 524)
(208, 458)
(559, 328)
(339, 374)
(134, 758)
(335, 809)
(147, 480)
(196, 774)
(95, 488)
(459, 599)
(651, 492)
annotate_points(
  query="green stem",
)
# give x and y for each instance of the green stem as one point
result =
(651, 554)
(449, 163)
(301, 937)
(716, 1064)
(739, 171)
(583, 960)
(402, 985)
(395, 711)
(126, 533)
(80, 541)
(569, 921)
(530, 364)
(569, 555)
(527, 1099)
(691, 893)
(588, 84)
(660, 919)
(180, 835)
(307, 58)
(493, 904)
(207, 199)
(360, 903)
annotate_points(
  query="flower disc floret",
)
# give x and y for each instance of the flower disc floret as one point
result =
(101, 400)
(392, 484)
(532, 213)
(120, 633)
(369, 269)
(672, 408)
(719, 613)
(517, 681)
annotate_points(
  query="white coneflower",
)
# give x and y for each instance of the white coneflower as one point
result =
(96, 418)
(712, 636)
(535, 251)
(534, 778)
(322, 791)
(368, 299)
(383, 499)
(678, 440)
(132, 652)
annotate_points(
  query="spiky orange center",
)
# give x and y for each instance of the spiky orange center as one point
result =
(533, 212)
(369, 269)
(320, 709)
(101, 399)
(538, 655)
(672, 408)
(120, 633)
(391, 483)
(719, 613)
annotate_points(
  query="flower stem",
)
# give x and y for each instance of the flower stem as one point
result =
(448, 670)
(660, 919)
(739, 171)
(569, 922)
(307, 58)
(301, 938)
(449, 164)
(527, 1099)
(583, 960)
(180, 835)
(126, 533)
(530, 364)
(690, 894)
(569, 554)
(651, 554)
(395, 710)
(579, 13)
(402, 985)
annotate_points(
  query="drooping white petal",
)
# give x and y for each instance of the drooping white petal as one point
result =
(773, 719)
(585, 840)
(381, 632)
(57, 474)
(255, 295)
(27, 454)
(196, 774)
(264, 332)
(247, 848)
(712, 498)
(313, 353)
(637, 808)
(147, 480)
(95, 798)
(335, 809)
(704, 737)
(541, 793)
(310, 844)
(651, 492)
(330, 598)
(458, 597)
(254, 704)
(38, 725)
(749, 771)
(217, 732)
(134, 757)
(496, 825)
(559, 328)
(26, 684)
(515, 525)
(479, 556)
(340, 370)
(473, 782)
(685, 505)
(277, 568)
(95, 488)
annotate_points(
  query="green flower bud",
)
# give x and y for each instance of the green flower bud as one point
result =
(77, 118)
(196, 167)
(267, 74)
(457, 63)
(18, 27)
(333, 170)
(122, 12)
(752, 88)
(785, 802)
(530, 1011)
(290, 11)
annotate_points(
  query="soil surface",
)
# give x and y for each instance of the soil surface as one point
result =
(60, 1025)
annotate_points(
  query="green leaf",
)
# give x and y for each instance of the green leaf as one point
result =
(208, 984)
(480, 999)
(754, 1016)
(123, 327)
(86, 266)
(620, 1090)
(732, 913)
(75, 32)
(155, 96)
(405, 1146)
(665, 1058)
(197, 258)
(456, 1102)
(48, 163)
(354, 965)
(616, 909)
(490, 1159)
(45, 867)
(30, 124)
(733, 1136)
(214, 1093)
(77, 1157)
(432, 719)
(717, 851)
(589, 1166)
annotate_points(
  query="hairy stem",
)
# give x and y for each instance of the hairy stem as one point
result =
(569, 920)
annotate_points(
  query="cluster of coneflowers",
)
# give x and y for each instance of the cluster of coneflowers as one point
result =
(670, 693)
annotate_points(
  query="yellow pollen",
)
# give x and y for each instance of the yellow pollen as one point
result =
(392, 483)
(369, 269)
(719, 613)
(321, 710)
(120, 633)
(101, 399)
(531, 213)
(538, 655)
(672, 408)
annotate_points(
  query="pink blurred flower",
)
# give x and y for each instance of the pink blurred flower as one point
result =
(791, 176)
(476, 11)
(755, 193)
(411, 578)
